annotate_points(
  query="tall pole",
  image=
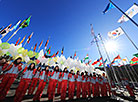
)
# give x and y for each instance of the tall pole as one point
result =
(101, 56)
(124, 14)
(13, 34)
(130, 39)
(133, 71)
(109, 59)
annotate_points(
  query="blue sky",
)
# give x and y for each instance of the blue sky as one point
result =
(67, 22)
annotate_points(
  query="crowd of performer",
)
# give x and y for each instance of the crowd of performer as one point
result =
(34, 79)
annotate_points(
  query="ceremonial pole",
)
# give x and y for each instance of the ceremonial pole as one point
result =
(109, 59)
(124, 14)
(92, 32)
(13, 33)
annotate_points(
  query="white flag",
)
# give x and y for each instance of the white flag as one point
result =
(132, 11)
(115, 33)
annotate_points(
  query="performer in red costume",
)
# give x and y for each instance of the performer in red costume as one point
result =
(3, 66)
(93, 81)
(42, 83)
(83, 85)
(35, 79)
(101, 86)
(59, 85)
(9, 77)
(104, 84)
(53, 82)
(65, 76)
(71, 87)
(24, 83)
(88, 84)
(79, 84)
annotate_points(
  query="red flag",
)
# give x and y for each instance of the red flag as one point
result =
(134, 59)
(46, 43)
(35, 47)
(17, 42)
(74, 55)
(117, 57)
(98, 60)
(53, 55)
(29, 38)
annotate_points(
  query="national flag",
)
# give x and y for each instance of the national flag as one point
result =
(115, 33)
(5, 30)
(49, 50)
(25, 23)
(40, 44)
(101, 64)
(46, 43)
(16, 25)
(62, 50)
(109, 7)
(134, 59)
(132, 11)
(123, 61)
(53, 55)
(117, 57)
(98, 60)
(87, 57)
(57, 53)
(136, 55)
(74, 55)
(22, 40)
(35, 47)
(17, 42)
(29, 38)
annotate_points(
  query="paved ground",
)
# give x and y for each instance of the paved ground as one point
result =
(28, 98)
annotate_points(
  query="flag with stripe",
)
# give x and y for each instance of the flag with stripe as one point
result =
(57, 53)
(62, 50)
(5, 30)
(40, 44)
(35, 47)
(46, 43)
(22, 40)
(49, 50)
(29, 38)
(17, 42)
(25, 23)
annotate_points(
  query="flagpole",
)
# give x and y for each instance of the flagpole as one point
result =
(102, 59)
(109, 58)
(132, 69)
(129, 39)
(13, 34)
(124, 14)
(128, 73)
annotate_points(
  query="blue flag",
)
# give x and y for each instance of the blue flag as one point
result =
(109, 6)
